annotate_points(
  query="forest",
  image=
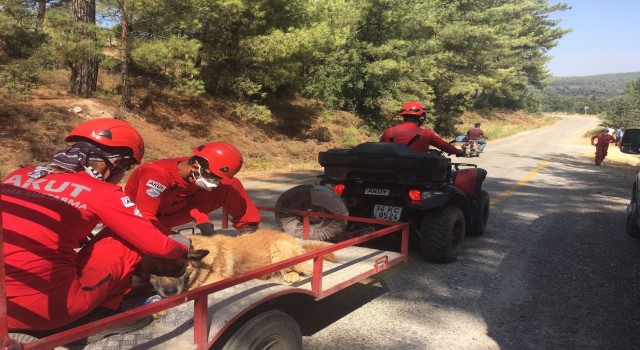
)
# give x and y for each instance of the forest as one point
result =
(572, 94)
(364, 57)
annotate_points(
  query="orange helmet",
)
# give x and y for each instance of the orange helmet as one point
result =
(224, 159)
(109, 132)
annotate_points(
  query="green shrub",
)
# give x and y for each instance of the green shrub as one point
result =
(350, 137)
(254, 114)
(20, 77)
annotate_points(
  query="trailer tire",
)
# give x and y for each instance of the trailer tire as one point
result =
(311, 198)
(442, 234)
(481, 213)
(268, 330)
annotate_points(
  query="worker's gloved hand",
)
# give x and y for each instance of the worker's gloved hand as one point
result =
(182, 240)
(206, 229)
(461, 153)
(248, 229)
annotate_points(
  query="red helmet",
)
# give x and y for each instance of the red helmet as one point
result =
(224, 159)
(413, 108)
(109, 132)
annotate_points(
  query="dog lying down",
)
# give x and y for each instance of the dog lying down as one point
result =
(214, 258)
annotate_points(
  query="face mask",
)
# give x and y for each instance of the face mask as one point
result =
(203, 182)
(91, 171)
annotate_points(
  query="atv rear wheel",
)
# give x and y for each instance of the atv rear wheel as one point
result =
(480, 215)
(314, 198)
(442, 234)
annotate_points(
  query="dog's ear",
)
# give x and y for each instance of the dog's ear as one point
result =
(197, 254)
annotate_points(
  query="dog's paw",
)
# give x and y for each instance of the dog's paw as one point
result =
(291, 277)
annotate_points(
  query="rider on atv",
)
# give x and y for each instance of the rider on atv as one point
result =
(476, 134)
(411, 133)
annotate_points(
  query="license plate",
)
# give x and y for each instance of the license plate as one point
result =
(387, 212)
(377, 191)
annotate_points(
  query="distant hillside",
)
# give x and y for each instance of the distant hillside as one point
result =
(598, 86)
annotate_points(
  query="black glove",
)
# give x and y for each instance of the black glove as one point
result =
(206, 229)
(182, 240)
(248, 229)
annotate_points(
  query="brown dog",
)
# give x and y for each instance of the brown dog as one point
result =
(213, 258)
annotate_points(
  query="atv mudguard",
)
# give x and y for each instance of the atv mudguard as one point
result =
(470, 180)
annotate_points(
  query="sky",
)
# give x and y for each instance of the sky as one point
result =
(605, 38)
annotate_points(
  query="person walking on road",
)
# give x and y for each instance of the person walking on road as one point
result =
(602, 145)
(619, 134)
(411, 133)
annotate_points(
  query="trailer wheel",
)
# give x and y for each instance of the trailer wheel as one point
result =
(311, 198)
(269, 330)
(481, 213)
(442, 234)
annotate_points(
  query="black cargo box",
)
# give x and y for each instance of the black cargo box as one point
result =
(372, 159)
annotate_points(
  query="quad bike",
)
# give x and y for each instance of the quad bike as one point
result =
(471, 148)
(442, 201)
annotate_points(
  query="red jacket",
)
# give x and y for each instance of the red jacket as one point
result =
(44, 220)
(405, 132)
(603, 140)
(167, 200)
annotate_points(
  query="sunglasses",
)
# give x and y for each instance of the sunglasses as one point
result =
(120, 166)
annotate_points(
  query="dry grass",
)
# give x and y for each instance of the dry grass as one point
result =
(172, 125)
(504, 124)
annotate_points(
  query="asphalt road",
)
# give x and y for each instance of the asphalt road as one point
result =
(555, 269)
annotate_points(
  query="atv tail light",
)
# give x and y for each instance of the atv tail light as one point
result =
(415, 195)
(339, 188)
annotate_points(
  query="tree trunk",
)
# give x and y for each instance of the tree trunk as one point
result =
(42, 7)
(84, 72)
(125, 97)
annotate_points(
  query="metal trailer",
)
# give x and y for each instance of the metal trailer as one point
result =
(241, 307)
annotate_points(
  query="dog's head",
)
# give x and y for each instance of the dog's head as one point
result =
(169, 283)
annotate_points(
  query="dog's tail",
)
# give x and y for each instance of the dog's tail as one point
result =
(310, 246)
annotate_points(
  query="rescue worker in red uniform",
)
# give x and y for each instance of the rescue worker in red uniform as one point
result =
(602, 144)
(411, 133)
(177, 191)
(47, 211)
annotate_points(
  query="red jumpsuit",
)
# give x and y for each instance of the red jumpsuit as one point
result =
(167, 200)
(44, 220)
(602, 146)
(406, 132)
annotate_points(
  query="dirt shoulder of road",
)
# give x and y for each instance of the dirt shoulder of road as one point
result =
(614, 155)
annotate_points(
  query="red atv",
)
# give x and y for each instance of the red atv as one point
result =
(442, 201)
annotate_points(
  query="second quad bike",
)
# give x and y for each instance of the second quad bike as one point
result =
(442, 201)
(471, 148)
